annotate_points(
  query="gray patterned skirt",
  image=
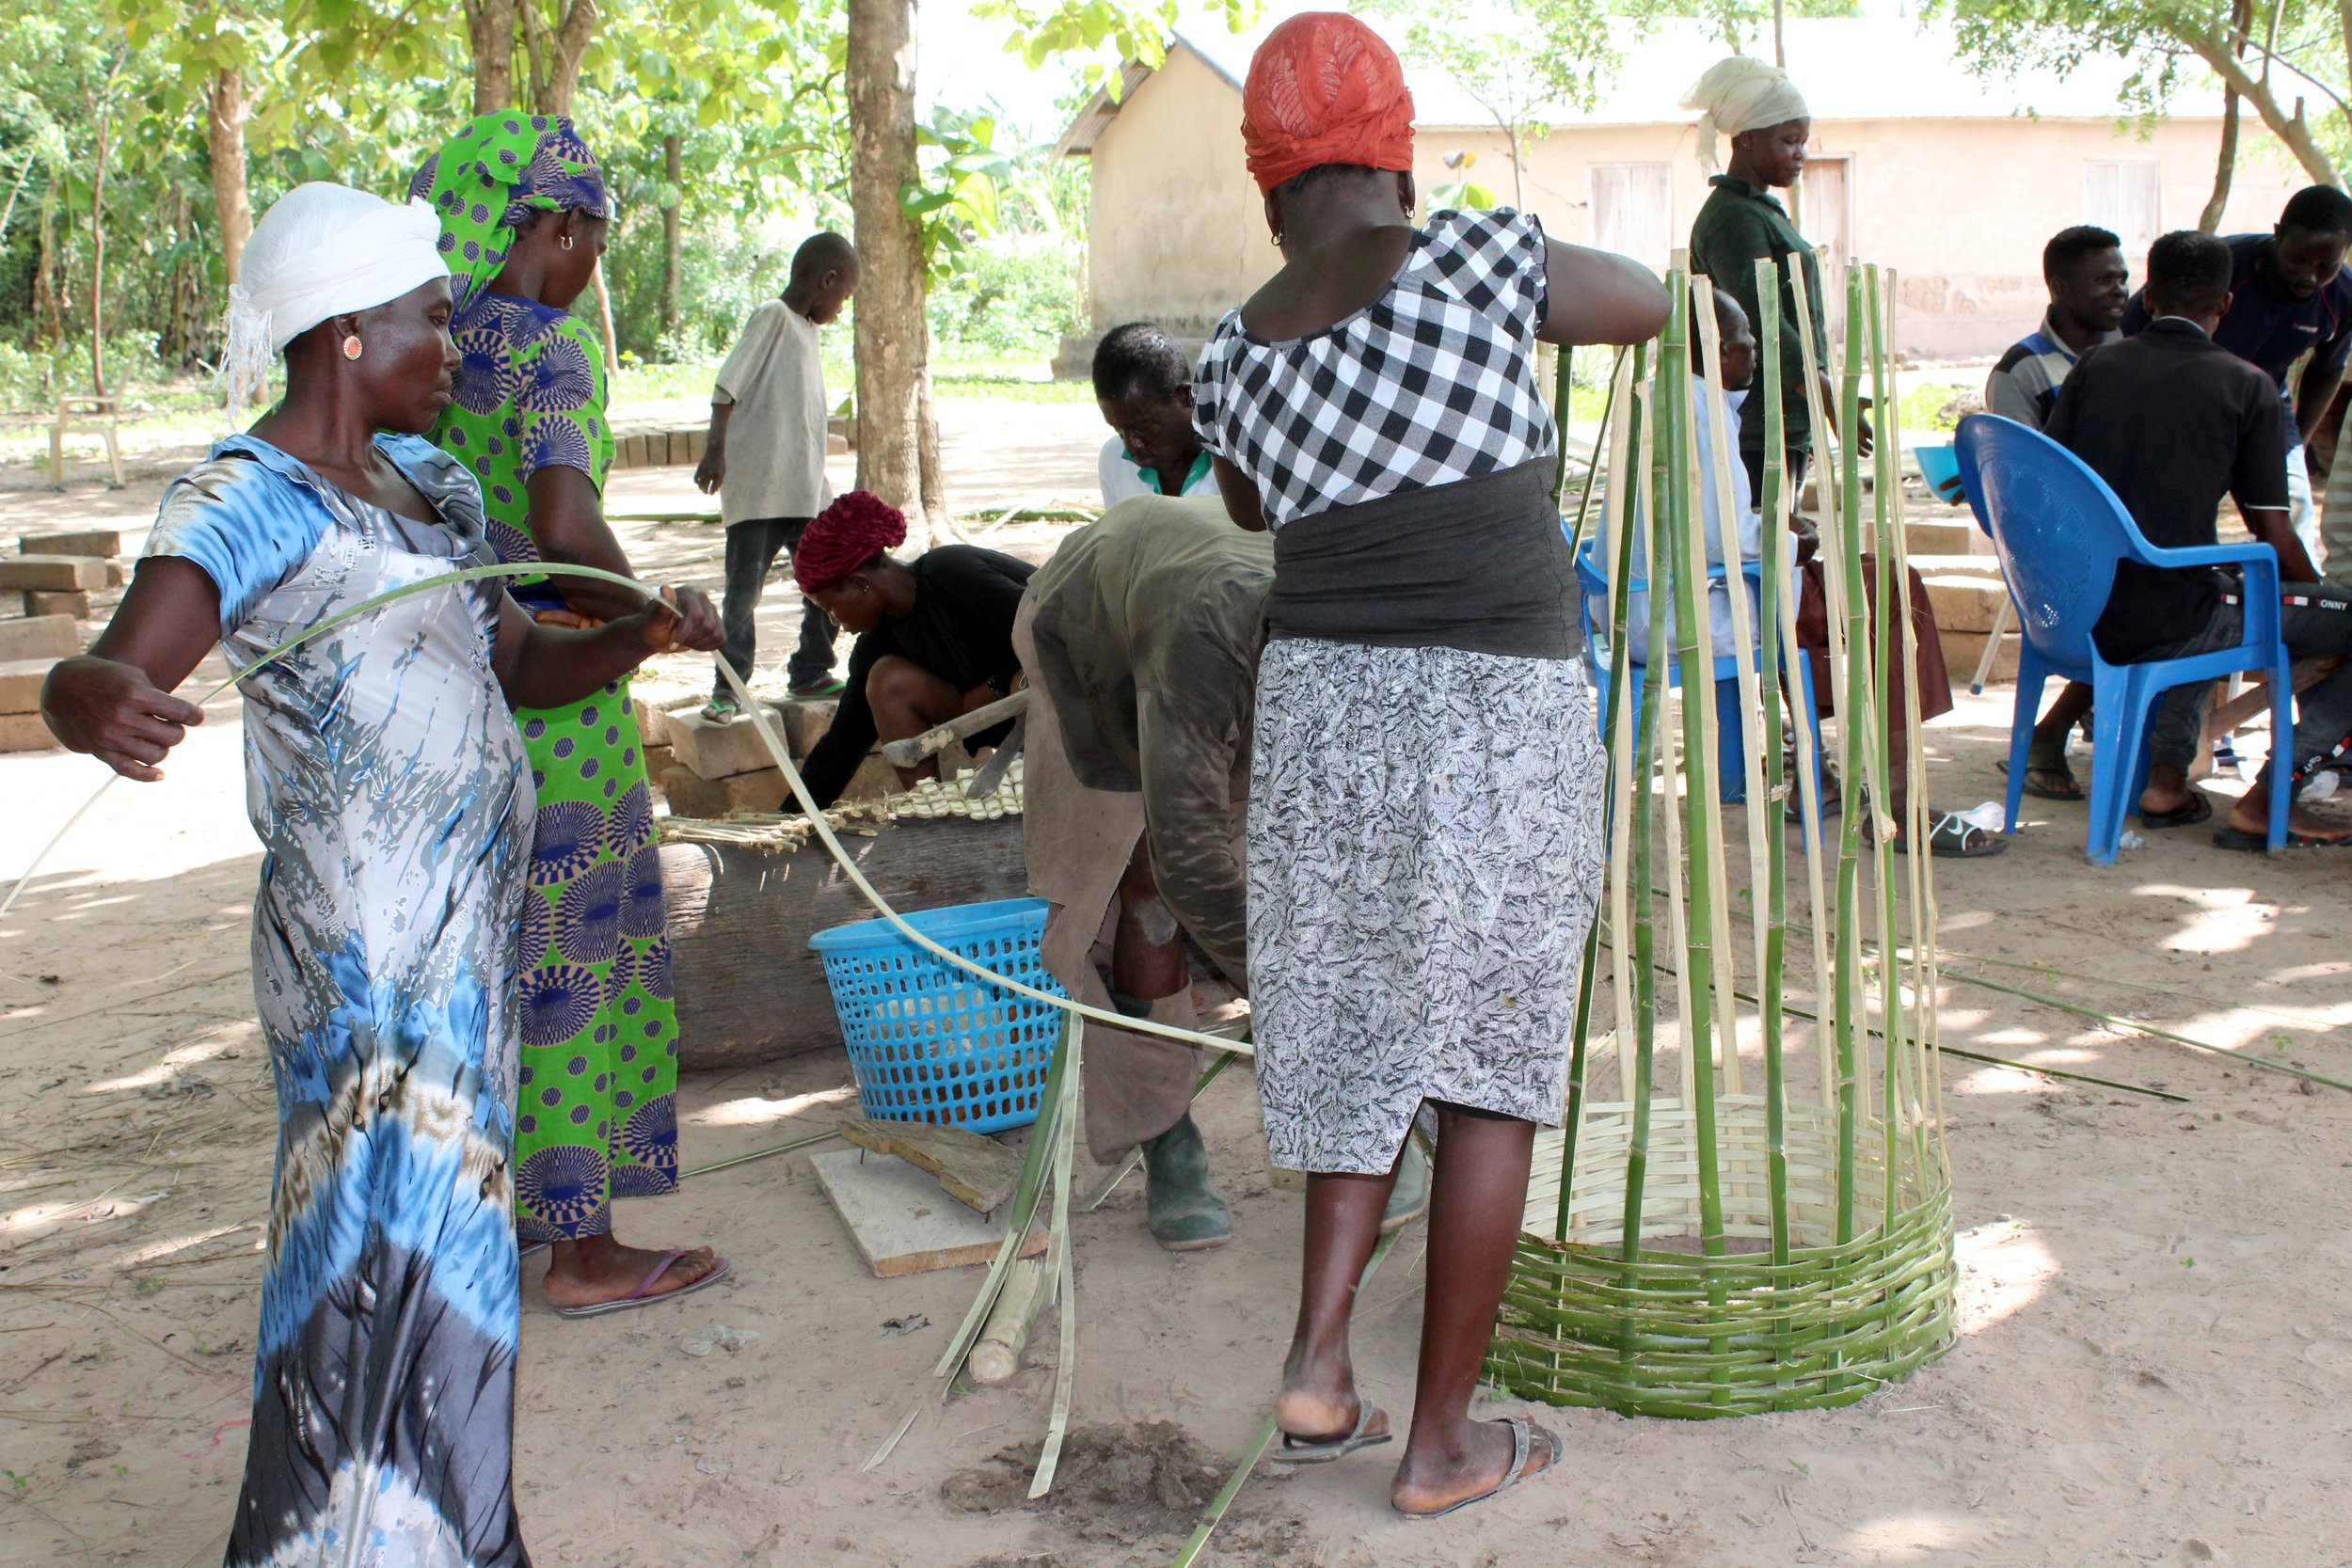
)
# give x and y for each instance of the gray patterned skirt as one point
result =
(1426, 855)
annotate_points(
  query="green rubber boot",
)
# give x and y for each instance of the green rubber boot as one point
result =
(1185, 1214)
(1409, 1199)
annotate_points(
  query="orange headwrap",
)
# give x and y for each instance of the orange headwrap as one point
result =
(1325, 88)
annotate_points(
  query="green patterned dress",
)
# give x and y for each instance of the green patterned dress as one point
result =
(596, 1113)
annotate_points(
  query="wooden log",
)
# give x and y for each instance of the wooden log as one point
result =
(995, 1358)
(749, 991)
(976, 1171)
(2230, 716)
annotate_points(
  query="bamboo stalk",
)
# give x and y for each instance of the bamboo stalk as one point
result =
(1624, 485)
(995, 1359)
(1638, 824)
(1065, 1277)
(1773, 508)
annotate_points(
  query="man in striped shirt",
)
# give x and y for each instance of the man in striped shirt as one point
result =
(2084, 269)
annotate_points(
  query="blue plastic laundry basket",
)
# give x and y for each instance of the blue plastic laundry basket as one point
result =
(931, 1043)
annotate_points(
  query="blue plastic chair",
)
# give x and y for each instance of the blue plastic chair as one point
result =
(1732, 789)
(2059, 532)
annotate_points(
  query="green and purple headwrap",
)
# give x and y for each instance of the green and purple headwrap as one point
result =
(489, 178)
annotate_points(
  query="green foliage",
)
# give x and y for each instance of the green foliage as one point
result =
(726, 273)
(1014, 298)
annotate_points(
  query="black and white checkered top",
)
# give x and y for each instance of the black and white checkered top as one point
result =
(1432, 382)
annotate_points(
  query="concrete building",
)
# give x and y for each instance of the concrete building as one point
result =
(1953, 181)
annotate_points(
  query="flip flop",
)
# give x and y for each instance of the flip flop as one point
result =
(1950, 838)
(1523, 1433)
(1303, 1450)
(638, 1297)
(2199, 809)
(2043, 792)
(2259, 843)
(719, 710)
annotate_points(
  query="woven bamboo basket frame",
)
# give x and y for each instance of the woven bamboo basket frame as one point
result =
(1791, 1249)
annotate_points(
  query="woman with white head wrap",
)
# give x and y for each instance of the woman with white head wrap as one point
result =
(388, 783)
(1760, 109)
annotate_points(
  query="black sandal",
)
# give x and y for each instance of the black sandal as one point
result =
(2199, 809)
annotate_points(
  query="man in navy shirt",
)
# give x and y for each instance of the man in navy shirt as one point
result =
(2173, 421)
(2289, 296)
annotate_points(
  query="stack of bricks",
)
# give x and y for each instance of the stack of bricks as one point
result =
(716, 768)
(55, 577)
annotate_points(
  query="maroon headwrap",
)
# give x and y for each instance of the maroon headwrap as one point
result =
(855, 528)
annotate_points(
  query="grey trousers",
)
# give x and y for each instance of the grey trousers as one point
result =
(2315, 620)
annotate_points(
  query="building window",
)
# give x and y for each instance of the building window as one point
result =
(2127, 199)
(1634, 212)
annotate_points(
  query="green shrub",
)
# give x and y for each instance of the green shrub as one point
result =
(1014, 299)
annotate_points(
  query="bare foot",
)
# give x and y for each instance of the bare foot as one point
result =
(1319, 1403)
(1428, 1479)
(2251, 815)
(598, 1269)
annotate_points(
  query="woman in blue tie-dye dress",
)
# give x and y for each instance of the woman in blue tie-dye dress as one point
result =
(388, 783)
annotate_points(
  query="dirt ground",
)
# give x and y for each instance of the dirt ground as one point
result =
(2154, 1360)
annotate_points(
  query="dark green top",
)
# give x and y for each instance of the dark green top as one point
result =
(1737, 225)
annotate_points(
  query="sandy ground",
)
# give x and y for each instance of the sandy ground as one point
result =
(2155, 1362)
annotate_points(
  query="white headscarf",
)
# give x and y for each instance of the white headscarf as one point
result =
(320, 250)
(1741, 93)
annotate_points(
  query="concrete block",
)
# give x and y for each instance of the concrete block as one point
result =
(697, 442)
(874, 779)
(717, 751)
(692, 795)
(49, 637)
(1937, 538)
(658, 761)
(59, 601)
(66, 572)
(1986, 567)
(901, 1221)
(805, 722)
(653, 725)
(24, 732)
(836, 446)
(118, 574)
(1962, 649)
(100, 541)
(1965, 603)
(20, 684)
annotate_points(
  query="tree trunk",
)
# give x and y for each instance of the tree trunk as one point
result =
(567, 50)
(673, 229)
(225, 118)
(2225, 170)
(490, 29)
(893, 338)
(2215, 50)
(97, 260)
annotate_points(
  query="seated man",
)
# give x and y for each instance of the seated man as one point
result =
(2173, 421)
(2290, 296)
(934, 638)
(1143, 386)
(2083, 268)
(1141, 638)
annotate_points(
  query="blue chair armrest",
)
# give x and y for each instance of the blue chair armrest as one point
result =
(2210, 555)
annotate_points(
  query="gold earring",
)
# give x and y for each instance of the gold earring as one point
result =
(351, 346)
(565, 241)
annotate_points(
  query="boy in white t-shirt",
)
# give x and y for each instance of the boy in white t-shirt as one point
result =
(765, 458)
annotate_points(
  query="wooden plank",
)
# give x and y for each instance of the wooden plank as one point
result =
(747, 989)
(900, 1223)
(975, 1170)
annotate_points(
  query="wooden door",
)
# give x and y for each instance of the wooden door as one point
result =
(1825, 216)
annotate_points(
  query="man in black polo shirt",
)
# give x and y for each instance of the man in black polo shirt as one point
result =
(2173, 421)
(2289, 296)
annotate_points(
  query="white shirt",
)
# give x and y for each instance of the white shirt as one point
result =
(1749, 529)
(775, 450)
(1122, 476)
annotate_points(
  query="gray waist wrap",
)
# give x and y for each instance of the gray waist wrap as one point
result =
(1480, 565)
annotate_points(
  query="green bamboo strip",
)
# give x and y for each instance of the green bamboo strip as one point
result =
(1680, 515)
(1624, 485)
(1773, 508)
(1762, 827)
(1890, 666)
(1579, 1056)
(1601, 436)
(760, 1154)
(1063, 1274)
